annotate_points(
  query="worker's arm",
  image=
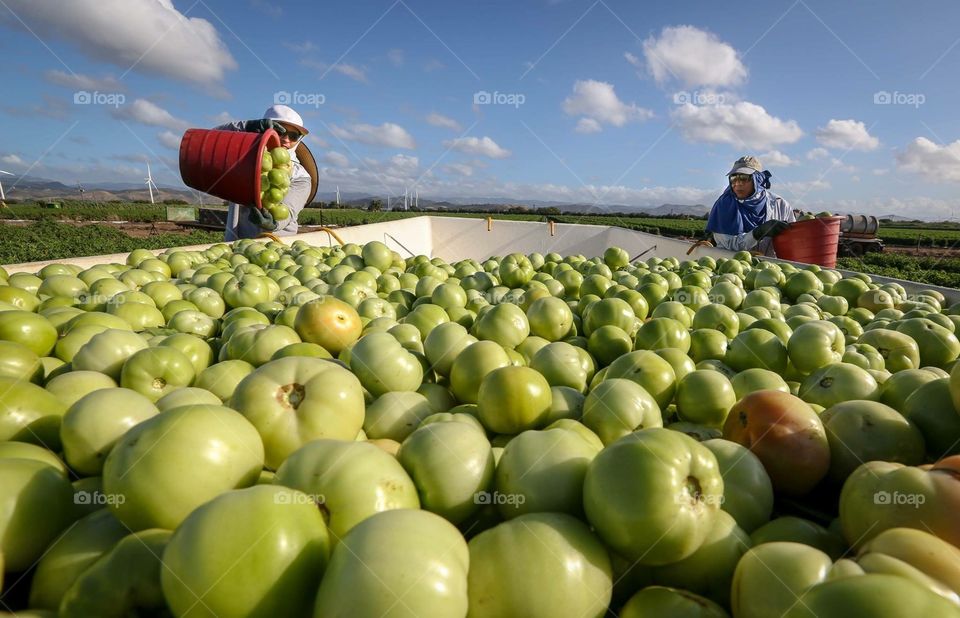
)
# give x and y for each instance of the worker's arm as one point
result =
(735, 242)
(295, 200)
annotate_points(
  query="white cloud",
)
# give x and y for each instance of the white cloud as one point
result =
(317, 141)
(837, 165)
(302, 48)
(588, 125)
(444, 122)
(12, 159)
(460, 169)
(803, 187)
(150, 114)
(741, 124)
(478, 146)
(817, 153)
(775, 158)
(387, 134)
(170, 140)
(147, 36)
(693, 56)
(433, 65)
(396, 57)
(222, 118)
(847, 135)
(931, 161)
(336, 158)
(880, 171)
(352, 71)
(79, 81)
(598, 101)
(267, 8)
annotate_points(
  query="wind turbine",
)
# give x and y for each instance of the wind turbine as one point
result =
(338, 196)
(2, 196)
(80, 189)
(150, 184)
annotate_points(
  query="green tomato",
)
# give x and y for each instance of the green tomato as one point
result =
(747, 490)
(926, 409)
(274, 540)
(187, 396)
(709, 570)
(125, 580)
(860, 431)
(19, 362)
(706, 344)
(395, 415)
(873, 594)
(718, 317)
(662, 333)
(402, 562)
(573, 576)
(444, 343)
(156, 371)
(650, 371)
(653, 495)
(383, 365)
(752, 380)
(505, 324)
(757, 348)
(899, 387)
(550, 318)
(294, 400)
(705, 397)
(663, 601)
(816, 344)
(798, 530)
(562, 364)
(770, 578)
(358, 481)
(166, 466)
(863, 355)
(513, 399)
(543, 471)
(108, 351)
(72, 554)
(36, 504)
(222, 378)
(938, 345)
(24, 450)
(29, 329)
(899, 350)
(838, 382)
(28, 413)
(450, 463)
(472, 365)
(94, 424)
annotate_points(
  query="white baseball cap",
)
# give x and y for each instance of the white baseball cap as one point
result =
(286, 115)
(745, 165)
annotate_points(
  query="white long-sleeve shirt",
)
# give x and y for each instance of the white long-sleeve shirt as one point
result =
(778, 209)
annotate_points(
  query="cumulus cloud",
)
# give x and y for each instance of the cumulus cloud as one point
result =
(151, 114)
(12, 159)
(459, 169)
(155, 38)
(740, 124)
(930, 160)
(78, 81)
(817, 153)
(169, 140)
(337, 159)
(775, 158)
(444, 122)
(352, 71)
(387, 134)
(692, 56)
(598, 101)
(847, 135)
(588, 125)
(483, 146)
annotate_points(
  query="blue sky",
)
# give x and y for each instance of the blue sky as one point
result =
(852, 107)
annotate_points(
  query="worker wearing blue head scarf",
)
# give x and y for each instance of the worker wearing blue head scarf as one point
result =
(747, 215)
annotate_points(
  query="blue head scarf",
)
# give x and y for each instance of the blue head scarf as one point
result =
(731, 216)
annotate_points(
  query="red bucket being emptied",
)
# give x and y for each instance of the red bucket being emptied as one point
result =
(813, 241)
(225, 164)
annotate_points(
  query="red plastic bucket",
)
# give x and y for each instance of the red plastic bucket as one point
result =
(225, 164)
(813, 241)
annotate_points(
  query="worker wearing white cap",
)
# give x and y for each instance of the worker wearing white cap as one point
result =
(248, 222)
(748, 215)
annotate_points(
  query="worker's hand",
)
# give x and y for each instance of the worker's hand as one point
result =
(261, 125)
(262, 219)
(770, 228)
